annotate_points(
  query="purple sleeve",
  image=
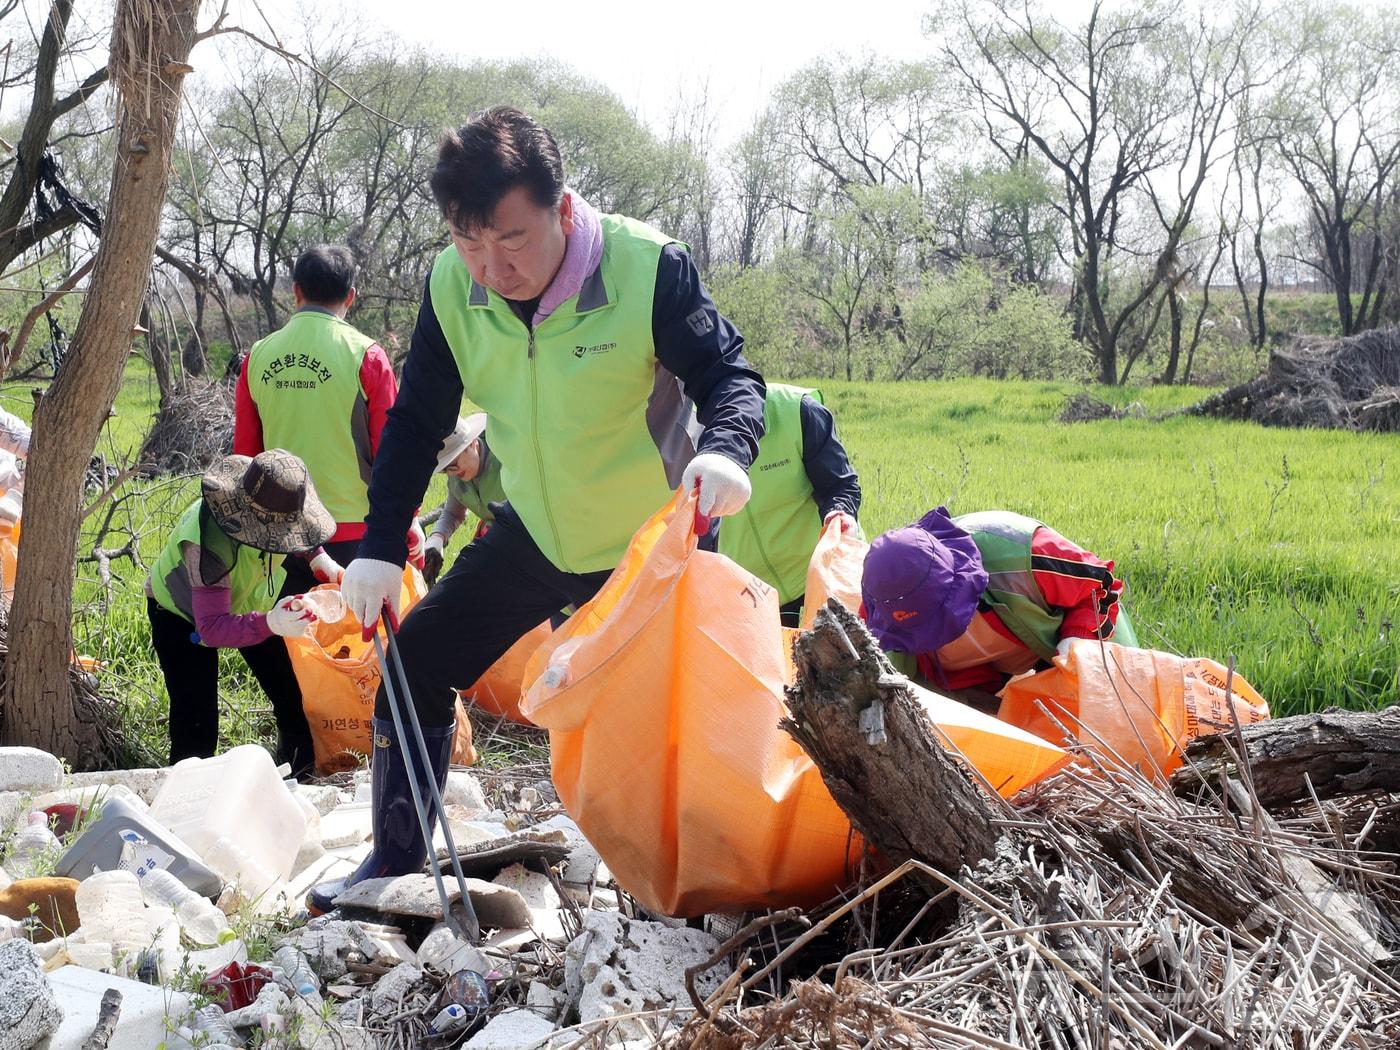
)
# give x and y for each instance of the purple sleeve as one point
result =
(218, 627)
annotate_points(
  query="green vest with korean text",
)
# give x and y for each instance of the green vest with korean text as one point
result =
(568, 400)
(305, 380)
(774, 535)
(255, 577)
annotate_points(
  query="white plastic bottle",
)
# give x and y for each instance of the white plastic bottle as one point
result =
(296, 969)
(200, 921)
(328, 605)
(30, 846)
(211, 1021)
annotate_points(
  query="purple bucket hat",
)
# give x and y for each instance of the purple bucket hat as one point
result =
(921, 584)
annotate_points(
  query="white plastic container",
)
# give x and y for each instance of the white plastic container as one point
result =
(111, 911)
(239, 798)
(32, 848)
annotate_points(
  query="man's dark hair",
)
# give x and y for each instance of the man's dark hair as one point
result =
(325, 274)
(487, 157)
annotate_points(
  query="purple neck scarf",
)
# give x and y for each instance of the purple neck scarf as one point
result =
(582, 252)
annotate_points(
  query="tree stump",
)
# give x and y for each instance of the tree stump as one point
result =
(879, 754)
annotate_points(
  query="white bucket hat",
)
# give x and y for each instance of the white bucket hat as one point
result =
(463, 434)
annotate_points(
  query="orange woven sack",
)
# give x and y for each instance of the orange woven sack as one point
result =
(9, 558)
(338, 672)
(662, 698)
(1134, 707)
(497, 692)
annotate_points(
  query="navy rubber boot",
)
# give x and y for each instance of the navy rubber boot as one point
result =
(398, 846)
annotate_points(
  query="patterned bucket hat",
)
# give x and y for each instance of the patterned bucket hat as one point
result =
(267, 502)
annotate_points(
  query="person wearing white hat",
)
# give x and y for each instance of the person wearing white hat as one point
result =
(473, 484)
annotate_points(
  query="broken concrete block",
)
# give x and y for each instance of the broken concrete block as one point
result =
(28, 1008)
(347, 825)
(144, 782)
(416, 895)
(621, 966)
(541, 898)
(323, 797)
(148, 1014)
(545, 1000)
(328, 945)
(512, 1030)
(271, 1000)
(29, 769)
(389, 991)
(462, 790)
(445, 951)
(308, 855)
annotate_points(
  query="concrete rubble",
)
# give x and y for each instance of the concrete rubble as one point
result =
(555, 954)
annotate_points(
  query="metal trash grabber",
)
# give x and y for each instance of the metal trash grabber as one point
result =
(472, 934)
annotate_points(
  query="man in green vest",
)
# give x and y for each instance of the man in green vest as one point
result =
(802, 479)
(321, 389)
(609, 377)
(973, 600)
(473, 484)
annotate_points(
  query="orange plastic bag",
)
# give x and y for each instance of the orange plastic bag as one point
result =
(662, 698)
(1135, 707)
(497, 692)
(338, 672)
(9, 558)
(834, 571)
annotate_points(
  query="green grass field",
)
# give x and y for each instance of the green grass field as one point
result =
(1277, 547)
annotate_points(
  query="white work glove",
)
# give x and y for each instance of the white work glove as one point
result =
(724, 485)
(367, 585)
(327, 569)
(1062, 649)
(848, 523)
(416, 541)
(291, 617)
(432, 558)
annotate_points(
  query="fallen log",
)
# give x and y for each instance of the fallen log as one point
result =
(1292, 760)
(879, 754)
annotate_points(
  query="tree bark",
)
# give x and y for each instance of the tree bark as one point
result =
(151, 42)
(879, 754)
(1336, 752)
(108, 1014)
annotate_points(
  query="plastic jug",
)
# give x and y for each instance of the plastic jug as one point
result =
(236, 796)
(123, 836)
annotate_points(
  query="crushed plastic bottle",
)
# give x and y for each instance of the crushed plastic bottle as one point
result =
(199, 920)
(297, 970)
(327, 605)
(210, 1020)
(31, 846)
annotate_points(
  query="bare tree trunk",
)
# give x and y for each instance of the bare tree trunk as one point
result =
(151, 42)
(159, 350)
(1174, 352)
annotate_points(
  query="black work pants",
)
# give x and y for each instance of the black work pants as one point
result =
(191, 675)
(500, 586)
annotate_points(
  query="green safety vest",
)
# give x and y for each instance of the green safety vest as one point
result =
(568, 400)
(478, 494)
(774, 535)
(254, 581)
(1004, 541)
(305, 380)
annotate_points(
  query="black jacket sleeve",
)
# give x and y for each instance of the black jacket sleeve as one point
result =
(834, 482)
(424, 413)
(704, 350)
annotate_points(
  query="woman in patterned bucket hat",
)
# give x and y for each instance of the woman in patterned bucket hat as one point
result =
(215, 585)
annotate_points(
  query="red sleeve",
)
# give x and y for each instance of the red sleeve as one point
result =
(1077, 581)
(247, 425)
(380, 387)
